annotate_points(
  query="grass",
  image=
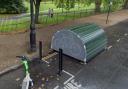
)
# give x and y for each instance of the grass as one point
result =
(13, 25)
(58, 18)
(23, 22)
(45, 6)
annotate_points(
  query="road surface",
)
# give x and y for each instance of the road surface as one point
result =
(108, 70)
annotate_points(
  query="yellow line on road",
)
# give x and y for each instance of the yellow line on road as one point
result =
(49, 56)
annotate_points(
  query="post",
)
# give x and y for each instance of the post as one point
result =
(74, 16)
(32, 28)
(60, 61)
(40, 50)
(108, 15)
(57, 18)
(80, 13)
(109, 9)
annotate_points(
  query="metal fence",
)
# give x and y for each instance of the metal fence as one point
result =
(21, 22)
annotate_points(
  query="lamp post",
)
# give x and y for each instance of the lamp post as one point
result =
(32, 28)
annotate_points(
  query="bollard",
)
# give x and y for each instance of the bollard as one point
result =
(60, 61)
(40, 50)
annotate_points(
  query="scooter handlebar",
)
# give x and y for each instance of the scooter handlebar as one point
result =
(22, 57)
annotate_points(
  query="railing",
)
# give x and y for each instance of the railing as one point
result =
(21, 22)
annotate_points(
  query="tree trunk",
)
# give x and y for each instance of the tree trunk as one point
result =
(37, 9)
(125, 6)
(97, 6)
(32, 29)
(62, 7)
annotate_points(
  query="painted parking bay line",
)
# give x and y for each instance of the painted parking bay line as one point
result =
(72, 76)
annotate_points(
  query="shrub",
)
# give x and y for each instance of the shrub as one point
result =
(12, 6)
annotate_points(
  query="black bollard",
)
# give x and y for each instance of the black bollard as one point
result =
(60, 61)
(40, 50)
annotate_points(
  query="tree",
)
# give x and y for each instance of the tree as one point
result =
(115, 4)
(125, 6)
(60, 4)
(67, 4)
(98, 5)
(37, 10)
(89, 2)
(12, 6)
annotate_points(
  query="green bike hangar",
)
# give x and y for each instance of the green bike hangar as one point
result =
(82, 42)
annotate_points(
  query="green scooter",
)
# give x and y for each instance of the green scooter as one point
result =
(27, 82)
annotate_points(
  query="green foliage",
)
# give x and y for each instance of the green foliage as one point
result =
(116, 4)
(125, 4)
(12, 6)
(67, 4)
(86, 2)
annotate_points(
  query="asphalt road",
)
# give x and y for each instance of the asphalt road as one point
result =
(108, 70)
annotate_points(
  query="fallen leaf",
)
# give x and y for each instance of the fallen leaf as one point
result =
(39, 88)
(58, 79)
(42, 85)
(17, 79)
(43, 79)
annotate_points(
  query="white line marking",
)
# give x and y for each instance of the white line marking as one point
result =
(118, 40)
(72, 76)
(56, 87)
(125, 34)
(109, 47)
(68, 80)
(67, 73)
(71, 86)
(75, 84)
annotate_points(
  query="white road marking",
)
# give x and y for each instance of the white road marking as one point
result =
(72, 76)
(71, 86)
(72, 81)
(125, 34)
(68, 73)
(109, 47)
(118, 40)
(68, 80)
(56, 87)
